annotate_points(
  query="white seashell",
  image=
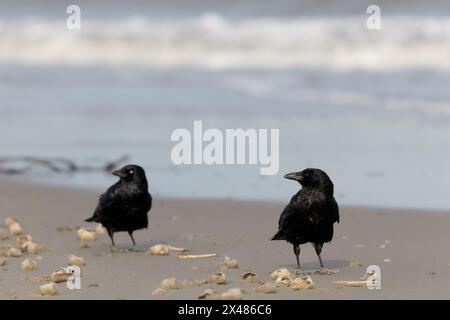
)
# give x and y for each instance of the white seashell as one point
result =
(86, 235)
(99, 229)
(28, 265)
(9, 221)
(22, 239)
(30, 247)
(158, 292)
(206, 293)
(14, 252)
(302, 283)
(231, 263)
(3, 262)
(76, 261)
(280, 273)
(159, 250)
(249, 277)
(61, 275)
(3, 235)
(48, 289)
(217, 278)
(15, 229)
(232, 294)
(169, 283)
(266, 288)
(283, 282)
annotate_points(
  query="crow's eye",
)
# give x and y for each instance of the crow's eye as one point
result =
(131, 171)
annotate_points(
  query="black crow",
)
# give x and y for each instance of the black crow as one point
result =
(311, 213)
(124, 206)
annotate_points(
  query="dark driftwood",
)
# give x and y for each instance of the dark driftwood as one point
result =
(57, 165)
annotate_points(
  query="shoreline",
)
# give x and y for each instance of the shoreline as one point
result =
(409, 246)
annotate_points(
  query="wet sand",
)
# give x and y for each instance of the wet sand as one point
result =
(410, 247)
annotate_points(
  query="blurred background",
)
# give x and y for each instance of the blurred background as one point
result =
(372, 108)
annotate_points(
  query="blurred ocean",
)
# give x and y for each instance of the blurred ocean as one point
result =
(372, 108)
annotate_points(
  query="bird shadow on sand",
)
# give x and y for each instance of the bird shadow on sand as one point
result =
(314, 266)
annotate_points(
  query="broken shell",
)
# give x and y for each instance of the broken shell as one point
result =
(9, 221)
(355, 284)
(249, 277)
(76, 261)
(2, 262)
(86, 235)
(231, 263)
(30, 247)
(22, 239)
(266, 288)
(283, 282)
(217, 278)
(48, 289)
(3, 235)
(15, 229)
(14, 252)
(302, 283)
(28, 265)
(159, 250)
(158, 292)
(60, 275)
(232, 294)
(206, 293)
(99, 229)
(169, 283)
(280, 273)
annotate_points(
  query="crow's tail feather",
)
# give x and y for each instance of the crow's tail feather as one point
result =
(91, 219)
(279, 236)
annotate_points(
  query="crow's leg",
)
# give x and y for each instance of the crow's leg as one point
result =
(297, 254)
(318, 247)
(132, 239)
(111, 235)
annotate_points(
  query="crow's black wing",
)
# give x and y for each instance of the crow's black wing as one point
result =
(105, 202)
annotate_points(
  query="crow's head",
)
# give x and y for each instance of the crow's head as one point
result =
(131, 173)
(312, 178)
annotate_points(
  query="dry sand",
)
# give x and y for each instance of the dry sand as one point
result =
(414, 243)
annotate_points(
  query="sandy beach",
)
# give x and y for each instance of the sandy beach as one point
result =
(410, 247)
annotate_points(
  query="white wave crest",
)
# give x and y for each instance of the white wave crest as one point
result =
(212, 42)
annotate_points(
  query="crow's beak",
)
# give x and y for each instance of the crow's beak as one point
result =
(119, 173)
(297, 176)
